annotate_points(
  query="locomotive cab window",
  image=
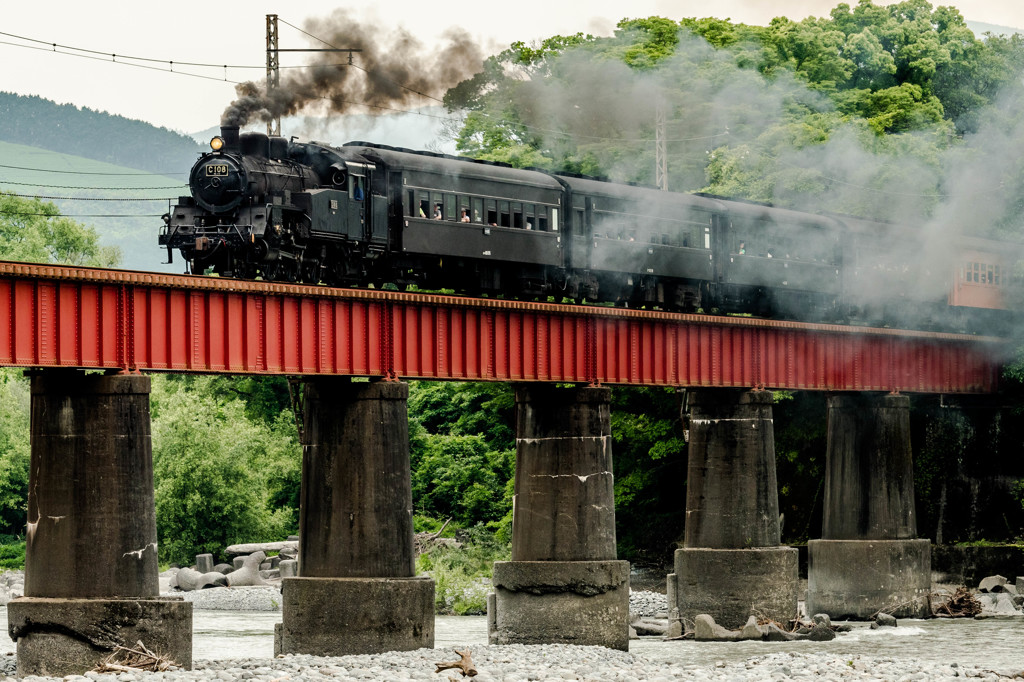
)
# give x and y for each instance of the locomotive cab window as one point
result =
(356, 187)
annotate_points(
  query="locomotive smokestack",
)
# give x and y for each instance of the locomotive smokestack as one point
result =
(230, 136)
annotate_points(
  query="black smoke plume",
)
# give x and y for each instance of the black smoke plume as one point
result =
(394, 69)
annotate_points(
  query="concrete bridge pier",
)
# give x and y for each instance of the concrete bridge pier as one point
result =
(357, 590)
(731, 564)
(91, 580)
(868, 559)
(563, 584)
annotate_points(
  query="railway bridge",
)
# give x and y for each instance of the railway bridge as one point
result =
(91, 485)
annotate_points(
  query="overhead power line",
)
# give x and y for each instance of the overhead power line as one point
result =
(80, 215)
(148, 63)
(36, 196)
(130, 175)
(119, 189)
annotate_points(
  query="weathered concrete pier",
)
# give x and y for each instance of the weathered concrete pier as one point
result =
(869, 558)
(732, 565)
(358, 592)
(91, 503)
(563, 584)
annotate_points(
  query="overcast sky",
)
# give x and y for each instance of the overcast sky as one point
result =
(234, 33)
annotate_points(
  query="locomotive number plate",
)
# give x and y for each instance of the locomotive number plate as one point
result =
(217, 170)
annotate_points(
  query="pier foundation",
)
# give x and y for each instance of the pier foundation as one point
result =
(91, 583)
(563, 584)
(731, 564)
(357, 591)
(868, 559)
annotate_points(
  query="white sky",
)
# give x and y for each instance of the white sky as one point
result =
(234, 33)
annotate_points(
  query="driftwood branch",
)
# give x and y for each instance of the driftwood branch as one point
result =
(463, 665)
(423, 541)
(130, 660)
(962, 604)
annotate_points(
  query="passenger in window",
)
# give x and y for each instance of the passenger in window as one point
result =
(743, 248)
(465, 216)
(422, 214)
(437, 211)
(529, 225)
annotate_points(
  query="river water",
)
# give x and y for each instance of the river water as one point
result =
(995, 643)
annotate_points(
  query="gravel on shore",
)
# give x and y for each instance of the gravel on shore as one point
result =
(523, 663)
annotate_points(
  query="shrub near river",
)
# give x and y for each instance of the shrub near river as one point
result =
(462, 573)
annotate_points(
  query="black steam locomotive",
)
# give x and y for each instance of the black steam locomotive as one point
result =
(364, 214)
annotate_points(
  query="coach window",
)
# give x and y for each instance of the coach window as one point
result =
(529, 215)
(504, 219)
(425, 209)
(554, 221)
(449, 207)
(410, 204)
(478, 210)
(492, 212)
(517, 214)
(542, 218)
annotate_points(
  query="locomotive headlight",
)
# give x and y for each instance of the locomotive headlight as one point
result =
(217, 143)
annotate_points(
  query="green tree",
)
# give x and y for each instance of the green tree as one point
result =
(14, 451)
(650, 457)
(217, 473)
(34, 230)
(462, 448)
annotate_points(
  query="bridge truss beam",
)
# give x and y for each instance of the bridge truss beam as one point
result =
(133, 321)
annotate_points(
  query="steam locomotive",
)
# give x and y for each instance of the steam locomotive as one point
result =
(365, 214)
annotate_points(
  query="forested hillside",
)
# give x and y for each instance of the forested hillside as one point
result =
(893, 112)
(65, 128)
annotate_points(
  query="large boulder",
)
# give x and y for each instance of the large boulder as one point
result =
(706, 629)
(992, 583)
(997, 604)
(751, 630)
(249, 573)
(187, 579)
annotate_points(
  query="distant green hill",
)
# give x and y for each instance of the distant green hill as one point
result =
(79, 158)
(65, 128)
(980, 28)
(80, 187)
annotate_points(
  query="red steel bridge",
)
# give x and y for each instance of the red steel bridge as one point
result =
(61, 316)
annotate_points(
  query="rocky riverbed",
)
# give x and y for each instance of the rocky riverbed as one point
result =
(521, 663)
(651, 660)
